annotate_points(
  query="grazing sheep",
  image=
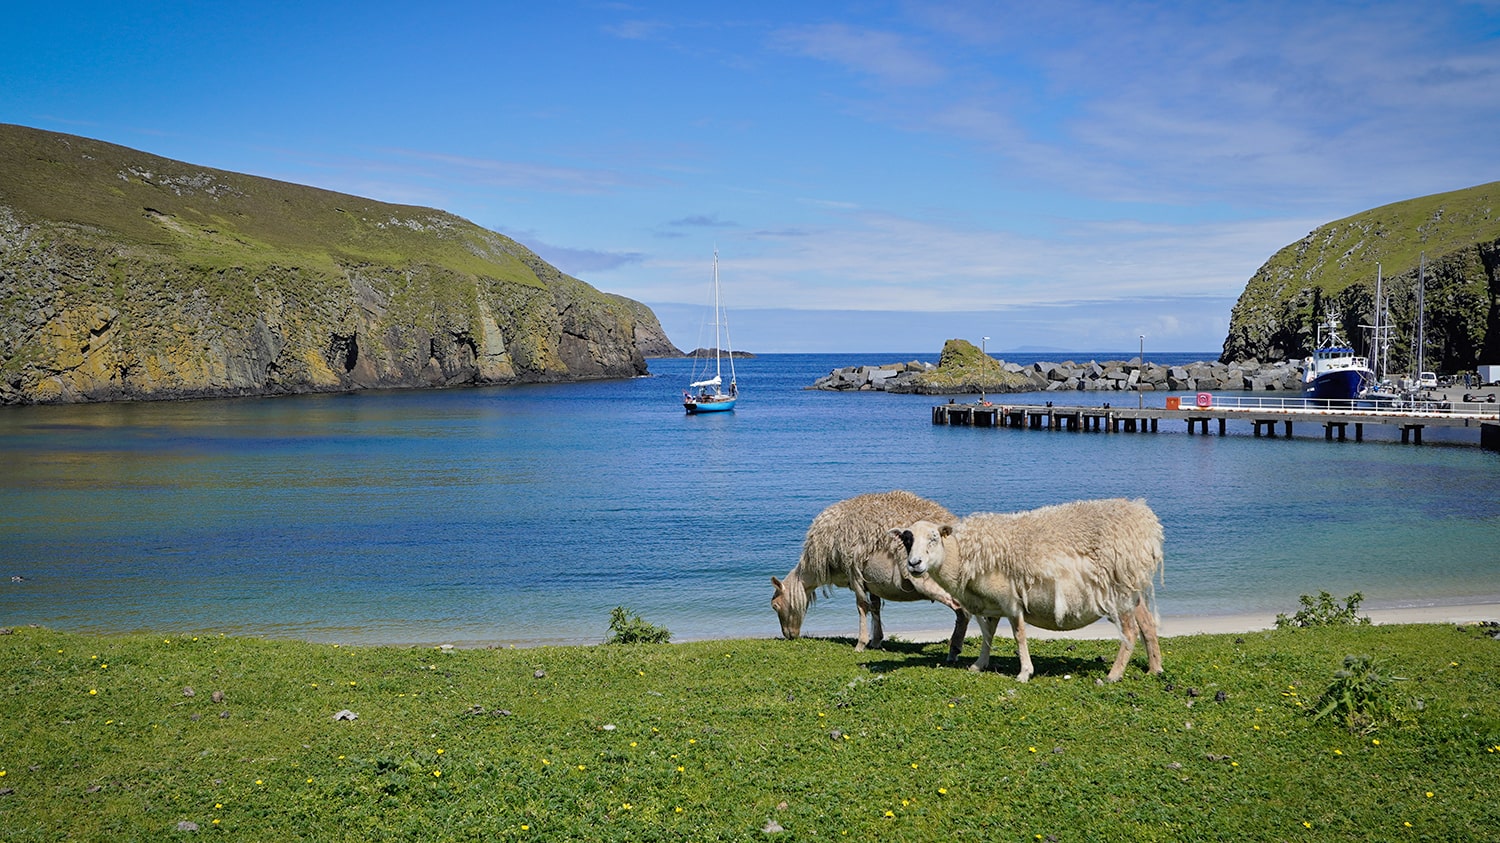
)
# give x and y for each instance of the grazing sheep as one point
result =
(849, 544)
(1059, 567)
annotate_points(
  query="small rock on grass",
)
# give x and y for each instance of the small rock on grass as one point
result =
(346, 714)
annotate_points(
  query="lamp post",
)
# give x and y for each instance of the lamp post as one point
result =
(1140, 394)
(983, 349)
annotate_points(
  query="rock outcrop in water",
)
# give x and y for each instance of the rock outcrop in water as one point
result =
(1334, 268)
(127, 276)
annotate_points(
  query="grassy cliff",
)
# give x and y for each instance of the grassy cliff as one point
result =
(124, 275)
(1334, 267)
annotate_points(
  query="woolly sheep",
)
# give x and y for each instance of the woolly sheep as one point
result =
(849, 544)
(1060, 567)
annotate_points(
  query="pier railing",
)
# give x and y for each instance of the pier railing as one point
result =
(1394, 407)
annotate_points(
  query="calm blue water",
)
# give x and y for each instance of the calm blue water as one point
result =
(523, 515)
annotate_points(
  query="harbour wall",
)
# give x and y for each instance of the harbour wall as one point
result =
(1109, 375)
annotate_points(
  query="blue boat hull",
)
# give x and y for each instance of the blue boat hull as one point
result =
(1343, 385)
(708, 406)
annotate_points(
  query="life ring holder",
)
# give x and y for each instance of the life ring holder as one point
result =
(1204, 400)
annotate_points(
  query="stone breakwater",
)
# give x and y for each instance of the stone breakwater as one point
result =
(1109, 375)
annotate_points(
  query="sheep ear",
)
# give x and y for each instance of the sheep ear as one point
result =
(946, 530)
(904, 536)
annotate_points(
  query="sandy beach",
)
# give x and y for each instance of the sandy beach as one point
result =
(1460, 613)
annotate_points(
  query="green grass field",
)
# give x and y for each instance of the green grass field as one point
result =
(744, 740)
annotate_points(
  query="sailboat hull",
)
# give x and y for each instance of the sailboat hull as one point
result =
(718, 406)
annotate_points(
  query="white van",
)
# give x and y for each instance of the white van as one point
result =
(1427, 380)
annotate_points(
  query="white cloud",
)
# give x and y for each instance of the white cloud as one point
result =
(886, 56)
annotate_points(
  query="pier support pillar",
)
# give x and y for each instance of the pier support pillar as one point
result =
(1489, 437)
(1222, 424)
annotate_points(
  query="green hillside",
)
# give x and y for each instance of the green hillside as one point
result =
(1334, 267)
(213, 219)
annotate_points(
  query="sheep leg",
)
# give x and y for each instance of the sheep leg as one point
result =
(929, 589)
(986, 638)
(1128, 633)
(1147, 620)
(877, 631)
(1018, 628)
(862, 602)
(960, 629)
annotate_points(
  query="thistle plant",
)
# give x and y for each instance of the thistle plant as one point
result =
(1361, 697)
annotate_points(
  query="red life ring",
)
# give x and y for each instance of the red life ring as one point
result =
(1205, 400)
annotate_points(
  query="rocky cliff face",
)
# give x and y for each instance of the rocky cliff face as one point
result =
(650, 338)
(1334, 269)
(128, 276)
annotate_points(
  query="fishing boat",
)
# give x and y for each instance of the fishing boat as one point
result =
(707, 394)
(1334, 371)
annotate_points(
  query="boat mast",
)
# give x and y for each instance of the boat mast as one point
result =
(721, 320)
(1421, 317)
(716, 313)
(1376, 366)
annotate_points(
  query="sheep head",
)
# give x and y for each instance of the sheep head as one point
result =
(925, 547)
(789, 609)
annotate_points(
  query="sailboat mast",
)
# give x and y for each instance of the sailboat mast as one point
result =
(717, 311)
(1375, 363)
(1421, 316)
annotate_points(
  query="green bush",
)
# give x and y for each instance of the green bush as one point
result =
(1324, 611)
(626, 627)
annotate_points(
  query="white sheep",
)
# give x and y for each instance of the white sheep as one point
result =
(1059, 567)
(849, 544)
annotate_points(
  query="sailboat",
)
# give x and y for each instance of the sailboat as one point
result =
(707, 394)
(1379, 389)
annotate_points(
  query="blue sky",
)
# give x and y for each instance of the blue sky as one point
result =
(877, 176)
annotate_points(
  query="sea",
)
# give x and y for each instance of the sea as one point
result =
(523, 515)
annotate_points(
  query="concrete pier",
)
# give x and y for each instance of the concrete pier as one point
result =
(1266, 416)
